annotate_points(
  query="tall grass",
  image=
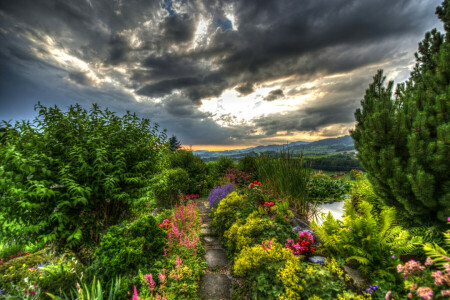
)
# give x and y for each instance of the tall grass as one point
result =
(287, 175)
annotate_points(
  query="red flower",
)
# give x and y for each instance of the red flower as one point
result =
(251, 184)
(255, 182)
(259, 183)
(272, 204)
(32, 292)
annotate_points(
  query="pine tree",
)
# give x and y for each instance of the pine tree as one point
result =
(174, 143)
(404, 141)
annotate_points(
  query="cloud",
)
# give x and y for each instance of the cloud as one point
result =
(164, 59)
(274, 95)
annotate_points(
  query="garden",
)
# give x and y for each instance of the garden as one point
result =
(99, 206)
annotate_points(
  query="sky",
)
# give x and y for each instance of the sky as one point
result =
(216, 74)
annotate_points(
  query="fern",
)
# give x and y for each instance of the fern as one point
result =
(439, 255)
(366, 239)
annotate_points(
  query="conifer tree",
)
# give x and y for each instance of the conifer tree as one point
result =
(404, 141)
(174, 144)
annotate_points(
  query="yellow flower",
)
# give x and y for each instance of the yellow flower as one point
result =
(5, 275)
(10, 268)
(23, 266)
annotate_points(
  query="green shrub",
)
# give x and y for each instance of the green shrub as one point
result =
(195, 167)
(324, 189)
(370, 242)
(168, 185)
(249, 165)
(67, 176)
(221, 165)
(228, 211)
(92, 292)
(257, 227)
(126, 248)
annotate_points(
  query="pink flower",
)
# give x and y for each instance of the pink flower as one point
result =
(409, 295)
(178, 261)
(388, 295)
(425, 293)
(150, 282)
(32, 292)
(445, 292)
(135, 294)
(429, 262)
(162, 277)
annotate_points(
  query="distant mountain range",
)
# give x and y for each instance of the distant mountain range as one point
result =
(325, 146)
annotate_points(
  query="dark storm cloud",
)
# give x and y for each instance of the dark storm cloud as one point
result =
(245, 89)
(152, 42)
(274, 95)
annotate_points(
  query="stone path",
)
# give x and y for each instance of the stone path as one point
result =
(216, 282)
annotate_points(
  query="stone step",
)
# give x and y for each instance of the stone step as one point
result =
(207, 231)
(216, 258)
(211, 240)
(215, 286)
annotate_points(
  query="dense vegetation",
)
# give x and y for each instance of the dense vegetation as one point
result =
(403, 143)
(95, 205)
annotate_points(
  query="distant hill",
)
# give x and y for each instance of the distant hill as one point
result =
(321, 147)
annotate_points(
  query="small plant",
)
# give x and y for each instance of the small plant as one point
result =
(304, 245)
(218, 193)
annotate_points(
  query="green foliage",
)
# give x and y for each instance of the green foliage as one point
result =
(196, 169)
(439, 255)
(261, 266)
(92, 292)
(167, 185)
(325, 189)
(249, 165)
(220, 166)
(286, 175)
(230, 209)
(366, 239)
(69, 175)
(126, 248)
(257, 227)
(403, 143)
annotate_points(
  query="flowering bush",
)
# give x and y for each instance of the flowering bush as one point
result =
(256, 228)
(239, 178)
(228, 211)
(424, 283)
(180, 274)
(304, 245)
(219, 192)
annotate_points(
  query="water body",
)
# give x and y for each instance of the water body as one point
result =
(336, 209)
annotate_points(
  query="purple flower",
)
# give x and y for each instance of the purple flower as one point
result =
(219, 192)
(393, 256)
(349, 228)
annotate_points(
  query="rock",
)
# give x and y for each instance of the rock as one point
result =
(216, 258)
(358, 280)
(317, 260)
(211, 241)
(207, 231)
(215, 286)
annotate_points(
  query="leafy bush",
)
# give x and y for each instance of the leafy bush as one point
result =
(260, 264)
(372, 243)
(218, 193)
(194, 166)
(257, 227)
(67, 176)
(221, 165)
(323, 189)
(228, 211)
(239, 178)
(249, 165)
(168, 185)
(124, 249)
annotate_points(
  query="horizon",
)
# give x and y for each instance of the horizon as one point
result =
(222, 76)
